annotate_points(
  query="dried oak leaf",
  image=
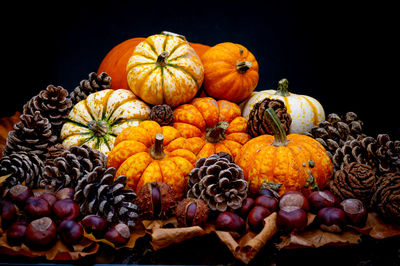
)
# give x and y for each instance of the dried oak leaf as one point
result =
(378, 229)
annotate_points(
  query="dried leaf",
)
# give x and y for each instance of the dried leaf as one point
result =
(378, 229)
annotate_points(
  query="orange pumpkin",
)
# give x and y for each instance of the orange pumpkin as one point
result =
(148, 153)
(230, 72)
(211, 126)
(292, 162)
(114, 63)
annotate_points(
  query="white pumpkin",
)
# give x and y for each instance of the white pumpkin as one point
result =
(305, 111)
(97, 120)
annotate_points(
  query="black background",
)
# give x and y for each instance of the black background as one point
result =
(340, 53)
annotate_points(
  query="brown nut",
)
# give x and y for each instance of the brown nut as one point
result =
(156, 200)
(355, 211)
(191, 212)
(65, 193)
(36, 207)
(95, 224)
(256, 217)
(118, 234)
(9, 213)
(331, 219)
(229, 221)
(40, 234)
(294, 198)
(70, 232)
(16, 233)
(247, 205)
(268, 202)
(66, 209)
(49, 197)
(18, 194)
(322, 199)
(292, 218)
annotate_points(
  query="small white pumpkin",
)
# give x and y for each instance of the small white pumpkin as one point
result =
(305, 111)
(97, 120)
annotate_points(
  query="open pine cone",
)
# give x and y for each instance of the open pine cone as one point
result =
(219, 182)
(162, 114)
(87, 86)
(99, 192)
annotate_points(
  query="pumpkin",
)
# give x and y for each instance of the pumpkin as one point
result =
(97, 120)
(164, 68)
(230, 72)
(149, 153)
(305, 111)
(287, 162)
(114, 63)
(211, 126)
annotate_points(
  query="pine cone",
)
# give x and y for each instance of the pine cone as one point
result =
(54, 152)
(162, 114)
(71, 165)
(354, 181)
(53, 104)
(336, 130)
(22, 167)
(219, 182)
(381, 153)
(387, 197)
(98, 193)
(33, 134)
(258, 123)
(87, 86)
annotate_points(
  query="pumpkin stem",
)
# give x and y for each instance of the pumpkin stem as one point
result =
(276, 125)
(243, 66)
(217, 133)
(157, 151)
(99, 128)
(168, 33)
(283, 86)
(161, 58)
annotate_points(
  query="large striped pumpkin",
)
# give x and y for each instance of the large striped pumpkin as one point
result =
(164, 68)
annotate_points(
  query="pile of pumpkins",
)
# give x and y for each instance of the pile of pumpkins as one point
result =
(211, 91)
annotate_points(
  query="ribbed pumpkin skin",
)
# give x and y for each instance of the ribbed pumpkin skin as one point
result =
(117, 109)
(287, 165)
(222, 80)
(165, 69)
(194, 119)
(131, 157)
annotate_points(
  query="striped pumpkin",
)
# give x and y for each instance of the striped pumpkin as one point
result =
(97, 120)
(164, 68)
(305, 111)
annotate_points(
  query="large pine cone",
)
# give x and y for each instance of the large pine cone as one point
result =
(33, 134)
(333, 132)
(258, 123)
(386, 199)
(87, 86)
(71, 165)
(381, 153)
(98, 193)
(219, 182)
(22, 167)
(53, 103)
(162, 114)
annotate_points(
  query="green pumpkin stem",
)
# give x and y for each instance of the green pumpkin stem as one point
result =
(283, 87)
(99, 128)
(280, 138)
(243, 66)
(157, 150)
(217, 133)
(161, 59)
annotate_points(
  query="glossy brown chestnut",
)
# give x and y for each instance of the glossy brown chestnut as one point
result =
(292, 218)
(294, 198)
(256, 217)
(118, 234)
(355, 211)
(18, 194)
(9, 213)
(247, 205)
(332, 219)
(41, 234)
(229, 221)
(268, 202)
(70, 232)
(36, 207)
(49, 197)
(322, 199)
(191, 212)
(65, 193)
(16, 233)
(66, 209)
(95, 225)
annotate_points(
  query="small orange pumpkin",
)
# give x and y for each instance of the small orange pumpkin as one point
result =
(149, 153)
(292, 162)
(230, 72)
(211, 126)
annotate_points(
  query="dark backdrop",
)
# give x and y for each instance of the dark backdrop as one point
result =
(337, 52)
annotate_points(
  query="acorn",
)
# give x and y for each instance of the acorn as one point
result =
(191, 212)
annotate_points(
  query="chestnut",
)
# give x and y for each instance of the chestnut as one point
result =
(49, 197)
(9, 213)
(292, 218)
(70, 232)
(118, 234)
(66, 209)
(95, 224)
(40, 234)
(18, 194)
(294, 198)
(331, 219)
(36, 207)
(191, 212)
(355, 211)
(268, 202)
(256, 217)
(16, 233)
(229, 221)
(247, 205)
(65, 193)
(322, 199)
